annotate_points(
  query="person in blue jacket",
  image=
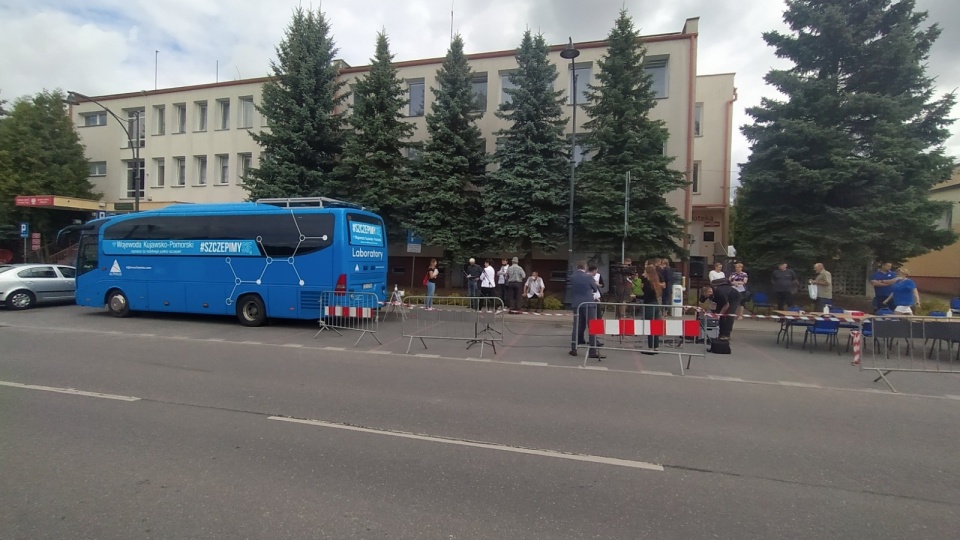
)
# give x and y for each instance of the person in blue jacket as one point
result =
(882, 281)
(903, 293)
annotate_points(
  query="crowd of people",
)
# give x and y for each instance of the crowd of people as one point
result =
(510, 283)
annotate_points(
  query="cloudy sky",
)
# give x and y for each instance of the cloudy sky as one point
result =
(108, 46)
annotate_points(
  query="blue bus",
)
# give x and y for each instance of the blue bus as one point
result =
(270, 258)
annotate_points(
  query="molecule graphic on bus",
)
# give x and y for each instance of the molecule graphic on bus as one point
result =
(291, 260)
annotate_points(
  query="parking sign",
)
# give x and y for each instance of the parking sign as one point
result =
(24, 229)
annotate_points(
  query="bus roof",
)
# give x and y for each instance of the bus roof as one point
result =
(234, 208)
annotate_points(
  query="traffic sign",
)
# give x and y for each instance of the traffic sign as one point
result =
(24, 229)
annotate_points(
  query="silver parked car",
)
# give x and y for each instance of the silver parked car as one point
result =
(24, 285)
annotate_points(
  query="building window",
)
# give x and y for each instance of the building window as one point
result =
(245, 163)
(580, 78)
(945, 223)
(416, 91)
(698, 120)
(181, 163)
(201, 108)
(94, 119)
(98, 168)
(696, 177)
(505, 85)
(579, 150)
(160, 119)
(479, 84)
(223, 169)
(657, 68)
(134, 176)
(223, 114)
(137, 126)
(246, 113)
(180, 110)
(201, 162)
(708, 236)
(413, 152)
(161, 172)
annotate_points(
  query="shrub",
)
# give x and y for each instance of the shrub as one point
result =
(931, 305)
(552, 302)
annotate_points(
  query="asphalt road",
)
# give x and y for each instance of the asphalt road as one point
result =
(204, 429)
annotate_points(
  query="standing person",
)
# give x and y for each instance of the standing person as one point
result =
(473, 273)
(582, 289)
(502, 281)
(717, 273)
(534, 290)
(883, 280)
(738, 280)
(666, 276)
(824, 282)
(515, 277)
(904, 294)
(432, 274)
(726, 300)
(652, 292)
(488, 284)
(784, 283)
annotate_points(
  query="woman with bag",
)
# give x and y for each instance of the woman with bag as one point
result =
(431, 281)
(652, 291)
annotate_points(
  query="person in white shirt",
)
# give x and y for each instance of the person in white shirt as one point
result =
(502, 280)
(534, 290)
(488, 285)
(716, 273)
(595, 272)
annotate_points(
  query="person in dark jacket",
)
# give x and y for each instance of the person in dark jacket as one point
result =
(582, 289)
(726, 300)
(784, 283)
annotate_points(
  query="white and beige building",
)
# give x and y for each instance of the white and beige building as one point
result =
(195, 143)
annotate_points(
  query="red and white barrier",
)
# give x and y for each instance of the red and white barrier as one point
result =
(344, 311)
(648, 327)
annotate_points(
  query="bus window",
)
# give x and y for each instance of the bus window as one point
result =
(365, 230)
(87, 254)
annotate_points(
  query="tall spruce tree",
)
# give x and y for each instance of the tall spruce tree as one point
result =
(301, 102)
(41, 154)
(623, 137)
(525, 198)
(374, 171)
(445, 195)
(843, 166)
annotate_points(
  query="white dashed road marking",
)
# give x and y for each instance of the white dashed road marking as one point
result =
(474, 444)
(71, 391)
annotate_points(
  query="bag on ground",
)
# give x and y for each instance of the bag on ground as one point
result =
(719, 346)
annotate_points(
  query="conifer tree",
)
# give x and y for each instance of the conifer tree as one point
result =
(842, 167)
(445, 195)
(623, 137)
(526, 196)
(301, 102)
(374, 171)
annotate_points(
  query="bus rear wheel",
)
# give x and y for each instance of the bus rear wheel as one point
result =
(117, 304)
(251, 311)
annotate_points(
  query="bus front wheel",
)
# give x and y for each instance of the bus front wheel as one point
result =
(251, 311)
(117, 304)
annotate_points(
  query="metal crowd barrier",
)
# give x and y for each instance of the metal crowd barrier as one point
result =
(629, 324)
(911, 343)
(474, 320)
(350, 311)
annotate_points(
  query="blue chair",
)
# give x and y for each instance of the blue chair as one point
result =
(830, 329)
(759, 301)
(937, 314)
(884, 311)
(865, 331)
(836, 309)
(955, 305)
(787, 326)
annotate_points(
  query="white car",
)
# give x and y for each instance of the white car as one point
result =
(23, 286)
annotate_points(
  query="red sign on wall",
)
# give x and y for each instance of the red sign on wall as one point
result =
(34, 200)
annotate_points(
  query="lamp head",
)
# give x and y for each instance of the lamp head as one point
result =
(570, 52)
(72, 99)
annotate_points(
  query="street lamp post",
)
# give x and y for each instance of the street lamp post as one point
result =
(572, 53)
(73, 98)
